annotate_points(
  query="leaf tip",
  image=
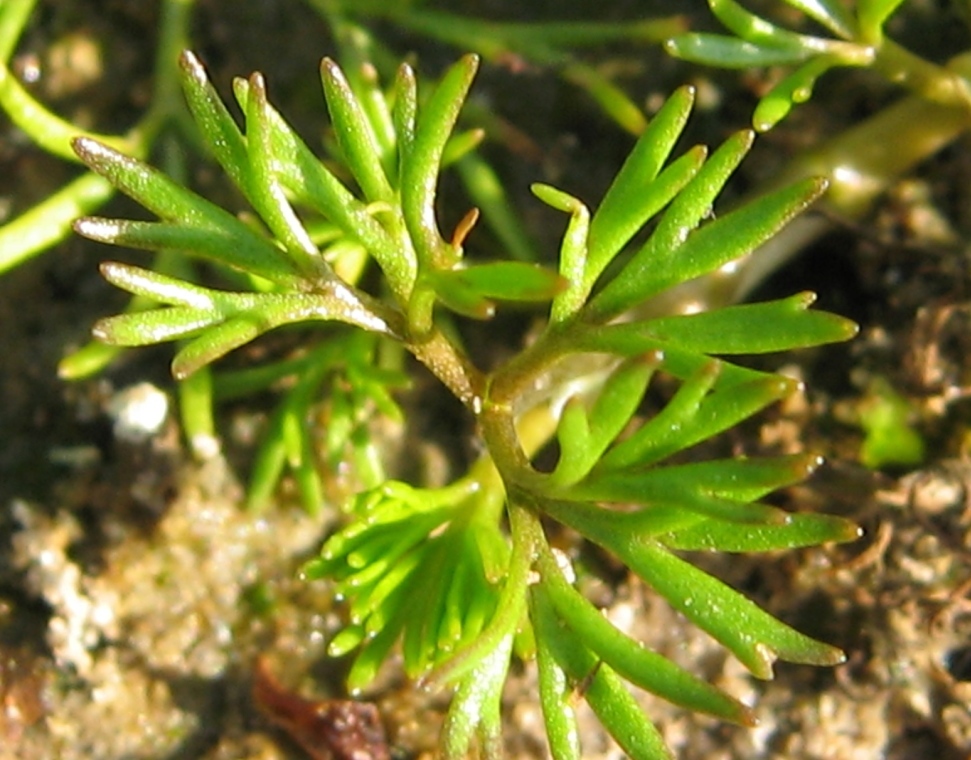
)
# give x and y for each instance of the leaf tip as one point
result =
(332, 75)
(653, 358)
(744, 138)
(838, 658)
(111, 270)
(182, 370)
(811, 462)
(406, 72)
(556, 198)
(87, 149)
(257, 83)
(101, 330)
(686, 92)
(850, 328)
(745, 716)
(192, 66)
(471, 62)
(671, 47)
(100, 157)
(96, 228)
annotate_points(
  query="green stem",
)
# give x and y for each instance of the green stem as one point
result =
(476, 704)
(195, 409)
(13, 19)
(173, 38)
(451, 366)
(50, 221)
(54, 134)
(49, 131)
(529, 377)
(863, 161)
(860, 164)
(938, 84)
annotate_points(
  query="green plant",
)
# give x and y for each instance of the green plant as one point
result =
(856, 163)
(551, 44)
(50, 221)
(490, 581)
(890, 440)
(859, 41)
(861, 162)
(164, 130)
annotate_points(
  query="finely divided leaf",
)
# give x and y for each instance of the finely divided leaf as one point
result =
(419, 178)
(748, 26)
(754, 636)
(636, 664)
(694, 414)
(265, 191)
(145, 328)
(756, 328)
(675, 254)
(632, 197)
(659, 263)
(195, 224)
(804, 529)
(603, 689)
(215, 123)
(234, 245)
(573, 434)
(355, 136)
(507, 280)
(159, 287)
(797, 87)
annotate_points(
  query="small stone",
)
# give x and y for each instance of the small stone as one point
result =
(138, 412)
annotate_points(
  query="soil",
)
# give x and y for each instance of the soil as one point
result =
(137, 596)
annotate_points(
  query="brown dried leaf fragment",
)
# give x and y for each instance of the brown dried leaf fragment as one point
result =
(327, 729)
